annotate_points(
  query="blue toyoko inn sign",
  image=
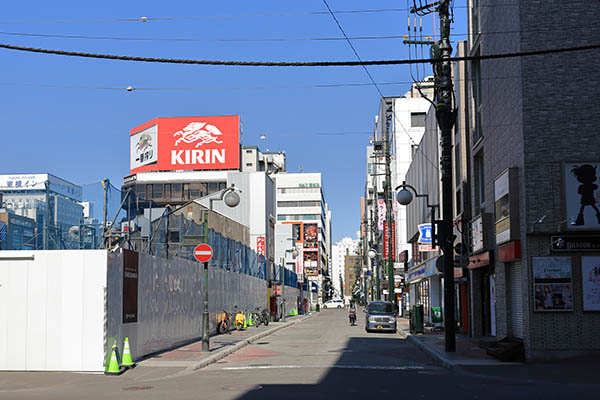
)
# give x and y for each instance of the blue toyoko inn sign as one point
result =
(425, 233)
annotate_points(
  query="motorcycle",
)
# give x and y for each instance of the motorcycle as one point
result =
(352, 318)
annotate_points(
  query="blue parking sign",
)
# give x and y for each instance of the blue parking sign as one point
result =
(425, 233)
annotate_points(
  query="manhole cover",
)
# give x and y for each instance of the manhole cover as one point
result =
(138, 388)
(242, 388)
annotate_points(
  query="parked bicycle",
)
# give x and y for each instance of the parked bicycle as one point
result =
(224, 322)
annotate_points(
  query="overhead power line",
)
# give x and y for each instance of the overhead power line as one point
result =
(291, 63)
(270, 39)
(232, 88)
(233, 16)
(159, 39)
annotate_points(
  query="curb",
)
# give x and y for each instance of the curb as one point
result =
(225, 352)
(434, 354)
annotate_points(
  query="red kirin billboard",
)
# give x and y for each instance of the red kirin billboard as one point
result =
(186, 143)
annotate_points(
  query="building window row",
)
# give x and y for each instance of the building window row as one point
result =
(177, 191)
(299, 190)
(299, 203)
(305, 217)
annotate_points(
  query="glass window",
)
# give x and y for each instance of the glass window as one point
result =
(195, 189)
(186, 190)
(477, 103)
(176, 192)
(157, 191)
(417, 119)
(381, 308)
(140, 191)
(475, 19)
(213, 187)
(148, 191)
(479, 180)
(167, 191)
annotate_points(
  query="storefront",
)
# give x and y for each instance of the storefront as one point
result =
(425, 287)
(483, 293)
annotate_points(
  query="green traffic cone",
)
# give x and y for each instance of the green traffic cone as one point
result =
(127, 362)
(113, 365)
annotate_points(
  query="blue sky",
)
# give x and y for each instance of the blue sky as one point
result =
(67, 115)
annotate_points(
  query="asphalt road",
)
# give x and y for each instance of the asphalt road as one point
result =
(321, 357)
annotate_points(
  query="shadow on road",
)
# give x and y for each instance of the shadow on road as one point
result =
(386, 365)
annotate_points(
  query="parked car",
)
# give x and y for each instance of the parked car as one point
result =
(381, 316)
(333, 304)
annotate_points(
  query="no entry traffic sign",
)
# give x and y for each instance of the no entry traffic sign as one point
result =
(203, 252)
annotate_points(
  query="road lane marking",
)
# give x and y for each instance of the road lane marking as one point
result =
(375, 367)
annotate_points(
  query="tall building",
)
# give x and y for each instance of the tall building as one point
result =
(352, 276)
(403, 117)
(301, 203)
(535, 157)
(52, 202)
(345, 247)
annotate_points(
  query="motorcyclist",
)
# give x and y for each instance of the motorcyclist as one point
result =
(352, 312)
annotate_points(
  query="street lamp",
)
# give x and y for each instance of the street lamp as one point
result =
(231, 199)
(446, 239)
(405, 197)
(295, 254)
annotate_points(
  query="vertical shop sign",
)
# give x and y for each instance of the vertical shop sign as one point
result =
(386, 240)
(130, 286)
(506, 207)
(300, 262)
(381, 210)
(260, 246)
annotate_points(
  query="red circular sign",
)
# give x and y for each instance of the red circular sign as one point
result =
(203, 252)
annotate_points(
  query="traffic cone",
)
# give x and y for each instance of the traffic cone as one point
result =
(113, 365)
(127, 362)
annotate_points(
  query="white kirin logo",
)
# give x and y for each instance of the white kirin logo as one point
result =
(199, 132)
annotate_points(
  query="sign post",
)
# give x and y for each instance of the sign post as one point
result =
(203, 253)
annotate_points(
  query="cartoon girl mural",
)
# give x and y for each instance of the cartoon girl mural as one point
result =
(586, 175)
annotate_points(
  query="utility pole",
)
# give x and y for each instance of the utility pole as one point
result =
(105, 186)
(283, 288)
(205, 326)
(47, 217)
(446, 116)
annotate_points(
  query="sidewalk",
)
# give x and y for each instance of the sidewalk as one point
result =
(191, 357)
(467, 351)
(470, 359)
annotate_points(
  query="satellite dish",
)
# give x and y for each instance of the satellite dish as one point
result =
(74, 232)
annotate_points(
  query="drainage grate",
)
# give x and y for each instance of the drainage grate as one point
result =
(138, 388)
